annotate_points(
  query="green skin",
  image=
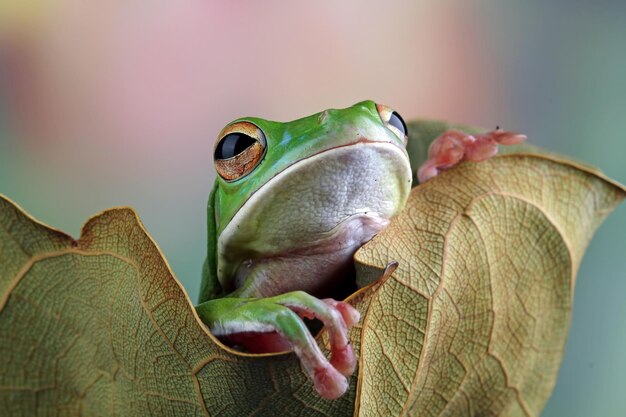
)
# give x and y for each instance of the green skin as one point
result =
(337, 159)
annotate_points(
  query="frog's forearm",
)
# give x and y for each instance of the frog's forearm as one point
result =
(334, 319)
(228, 316)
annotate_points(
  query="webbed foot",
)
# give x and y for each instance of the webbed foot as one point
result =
(274, 324)
(453, 146)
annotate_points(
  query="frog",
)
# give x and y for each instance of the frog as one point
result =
(291, 204)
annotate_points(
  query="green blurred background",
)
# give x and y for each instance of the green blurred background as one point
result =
(118, 103)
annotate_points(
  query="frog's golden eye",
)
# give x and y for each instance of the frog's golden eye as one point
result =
(393, 121)
(238, 150)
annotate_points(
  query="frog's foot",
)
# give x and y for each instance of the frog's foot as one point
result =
(273, 324)
(452, 147)
(337, 317)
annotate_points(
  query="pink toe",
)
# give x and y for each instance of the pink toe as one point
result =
(343, 360)
(507, 138)
(329, 383)
(350, 315)
(513, 139)
(427, 171)
(449, 156)
(448, 146)
(482, 148)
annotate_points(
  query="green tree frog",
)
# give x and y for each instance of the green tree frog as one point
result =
(291, 204)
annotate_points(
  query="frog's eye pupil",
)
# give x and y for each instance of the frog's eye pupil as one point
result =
(396, 121)
(232, 145)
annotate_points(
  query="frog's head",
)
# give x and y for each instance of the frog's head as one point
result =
(337, 176)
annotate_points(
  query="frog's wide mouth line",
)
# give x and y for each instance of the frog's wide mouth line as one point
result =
(390, 185)
(360, 140)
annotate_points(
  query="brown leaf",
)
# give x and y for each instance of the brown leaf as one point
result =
(100, 326)
(475, 318)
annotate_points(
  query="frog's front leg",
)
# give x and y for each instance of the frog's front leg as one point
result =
(453, 147)
(274, 323)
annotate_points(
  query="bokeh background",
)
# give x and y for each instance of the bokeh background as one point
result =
(118, 103)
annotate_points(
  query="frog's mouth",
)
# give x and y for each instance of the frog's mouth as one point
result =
(311, 202)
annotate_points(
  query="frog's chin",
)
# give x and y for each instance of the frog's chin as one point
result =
(321, 208)
(318, 268)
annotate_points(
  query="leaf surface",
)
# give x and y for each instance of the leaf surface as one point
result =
(100, 326)
(472, 322)
(475, 318)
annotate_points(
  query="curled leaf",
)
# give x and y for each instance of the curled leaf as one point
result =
(99, 325)
(474, 320)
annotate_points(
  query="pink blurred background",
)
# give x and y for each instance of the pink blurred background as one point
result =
(118, 103)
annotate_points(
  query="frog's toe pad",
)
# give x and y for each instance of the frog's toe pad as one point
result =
(344, 360)
(329, 382)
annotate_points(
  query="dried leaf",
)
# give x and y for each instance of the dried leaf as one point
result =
(472, 322)
(100, 326)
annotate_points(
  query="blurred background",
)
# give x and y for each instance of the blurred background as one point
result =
(118, 103)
